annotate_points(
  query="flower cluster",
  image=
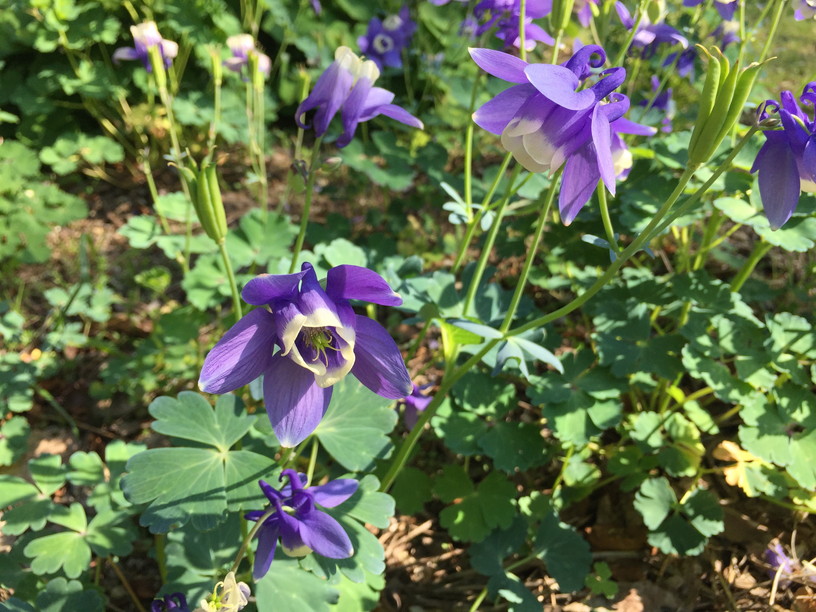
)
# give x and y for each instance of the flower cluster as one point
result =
(298, 523)
(145, 36)
(545, 121)
(385, 39)
(348, 84)
(242, 46)
(303, 340)
(786, 163)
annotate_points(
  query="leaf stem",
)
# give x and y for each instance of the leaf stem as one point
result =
(307, 203)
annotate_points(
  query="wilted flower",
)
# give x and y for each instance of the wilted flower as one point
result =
(415, 403)
(349, 84)
(545, 121)
(146, 35)
(786, 163)
(304, 340)
(301, 527)
(242, 46)
(385, 39)
(175, 602)
(780, 563)
(228, 596)
(806, 10)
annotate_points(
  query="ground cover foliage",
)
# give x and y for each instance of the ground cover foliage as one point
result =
(530, 336)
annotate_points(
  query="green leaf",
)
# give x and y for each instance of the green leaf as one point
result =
(478, 513)
(356, 426)
(65, 551)
(599, 581)
(655, 501)
(173, 206)
(13, 439)
(197, 484)
(452, 483)
(487, 557)
(288, 588)
(565, 552)
(411, 490)
(510, 588)
(368, 504)
(515, 446)
(341, 252)
(61, 595)
(798, 234)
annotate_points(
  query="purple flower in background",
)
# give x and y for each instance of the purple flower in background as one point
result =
(649, 35)
(242, 46)
(621, 156)
(545, 121)
(780, 562)
(505, 15)
(726, 8)
(348, 84)
(318, 338)
(806, 10)
(661, 102)
(415, 403)
(786, 163)
(146, 35)
(584, 10)
(300, 525)
(685, 64)
(385, 39)
(175, 602)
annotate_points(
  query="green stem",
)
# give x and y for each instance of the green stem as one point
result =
(556, 46)
(780, 5)
(160, 540)
(236, 298)
(607, 220)
(712, 226)
(478, 601)
(245, 544)
(489, 241)
(641, 12)
(531, 252)
(474, 222)
(522, 28)
(469, 148)
(760, 250)
(312, 461)
(307, 203)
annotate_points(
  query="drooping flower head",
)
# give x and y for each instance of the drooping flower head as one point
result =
(786, 163)
(175, 602)
(145, 36)
(348, 84)
(386, 38)
(546, 121)
(303, 340)
(298, 523)
(242, 46)
(806, 10)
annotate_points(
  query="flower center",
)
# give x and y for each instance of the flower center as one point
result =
(392, 22)
(382, 43)
(320, 340)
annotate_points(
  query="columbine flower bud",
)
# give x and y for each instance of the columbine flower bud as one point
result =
(724, 94)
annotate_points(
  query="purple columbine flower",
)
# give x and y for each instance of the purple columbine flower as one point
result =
(621, 156)
(662, 102)
(146, 35)
(385, 39)
(806, 10)
(780, 562)
(584, 10)
(349, 84)
(546, 121)
(304, 340)
(301, 527)
(726, 8)
(175, 602)
(649, 35)
(242, 46)
(415, 403)
(505, 15)
(786, 163)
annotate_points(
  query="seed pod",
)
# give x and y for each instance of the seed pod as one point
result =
(707, 99)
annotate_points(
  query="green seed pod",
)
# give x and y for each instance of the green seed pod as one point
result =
(707, 99)
(216, 203)
(561, 14)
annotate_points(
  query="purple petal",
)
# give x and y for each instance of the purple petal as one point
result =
(267, 288)
(602, 139)
(379, 365)
(623, 125)
(397, 113)
(349, 282)
(578, 183)
(779, 182)
(241, 355)
(125, 53)
(558, 84)
(267, 542)
(334, 493)
(377, 97)
(495, 114)
(502, 65)
(328, 95)
(353, 109)
(294, 402)
(325, 536)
